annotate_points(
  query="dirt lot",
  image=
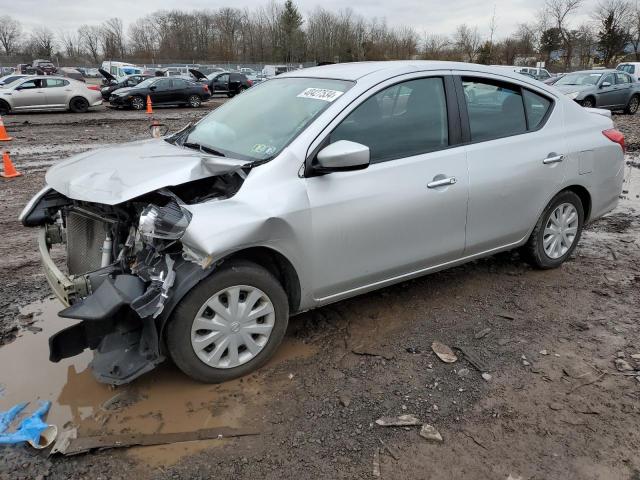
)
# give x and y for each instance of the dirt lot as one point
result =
(555, 406)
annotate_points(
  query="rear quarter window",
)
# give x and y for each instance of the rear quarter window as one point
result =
(536, 108)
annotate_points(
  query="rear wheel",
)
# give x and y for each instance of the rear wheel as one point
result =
(557, 232)
(194, 101)
(588, 102)
(230, 324)
(4, 108)
(78, 105)
(137, 103)
(632, 106)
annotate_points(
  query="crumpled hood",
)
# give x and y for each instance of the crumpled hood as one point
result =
(116, 174)
(122, 90)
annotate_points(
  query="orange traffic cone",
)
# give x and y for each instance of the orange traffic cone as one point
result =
(149, 107)
(4, 137)
(155, 129)
(9, 170)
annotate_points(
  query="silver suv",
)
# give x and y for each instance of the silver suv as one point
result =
(312, 187)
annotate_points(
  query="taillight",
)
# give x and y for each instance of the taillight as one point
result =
(250, 82)
(206, 88)
(615, 136)
(93, 87)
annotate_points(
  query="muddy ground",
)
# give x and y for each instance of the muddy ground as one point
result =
(555, 407)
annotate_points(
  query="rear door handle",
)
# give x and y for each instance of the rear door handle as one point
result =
(554, 159)
(443, 182)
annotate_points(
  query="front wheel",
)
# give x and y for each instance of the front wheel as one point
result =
(632, 106)
(137, 103)
(557, 232)
(229, 325)
(588, 102)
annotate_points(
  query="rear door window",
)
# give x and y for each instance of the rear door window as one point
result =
(536, 108)
(623, 79)
(403, 120)
(54, 83)
(495, 109)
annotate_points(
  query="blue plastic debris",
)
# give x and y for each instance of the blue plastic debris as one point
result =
(29, 429)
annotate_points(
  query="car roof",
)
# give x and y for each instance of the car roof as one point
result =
(604, 70)
(357, 70)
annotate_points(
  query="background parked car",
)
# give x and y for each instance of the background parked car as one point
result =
(71, 73)
(632, 68)
(610, 89)
(7, 79)
(44, 67)
(553, 80)
(228, 83)
(163, 91)
(48, 93)
(113, 84)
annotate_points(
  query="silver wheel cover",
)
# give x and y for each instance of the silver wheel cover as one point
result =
(560, 231)
(232, 326)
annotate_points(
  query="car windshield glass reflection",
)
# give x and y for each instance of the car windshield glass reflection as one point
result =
(258, 124)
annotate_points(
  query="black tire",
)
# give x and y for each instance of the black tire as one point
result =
(4, 108)
(588, 102)
(533, 251)
(78, 105)
(632, 106)
(194, 101)
(137, 103)
(231, 94)
(178, 334)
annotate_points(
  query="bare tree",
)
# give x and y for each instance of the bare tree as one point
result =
(112, 38)
(560, 12)
(10, 31)
(89, 36)
(634, 27)
(43, 42)
(435, 46)
(468, 42)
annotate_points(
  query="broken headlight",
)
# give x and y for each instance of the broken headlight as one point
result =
(165, 223)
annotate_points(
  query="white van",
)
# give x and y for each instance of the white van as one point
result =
(273, 70)
(632, 68)
(121, 69)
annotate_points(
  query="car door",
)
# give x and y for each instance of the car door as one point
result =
(180, 90)
(161, 91)
(58, 92)
(406, 212)
(607, 95)
(623, 87)
(30, 94)
(221, 83)
(515, 157)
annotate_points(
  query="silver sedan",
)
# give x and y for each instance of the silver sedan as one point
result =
(48, 93)
(199, 246)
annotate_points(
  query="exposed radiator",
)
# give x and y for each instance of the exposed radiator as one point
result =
(84, 243)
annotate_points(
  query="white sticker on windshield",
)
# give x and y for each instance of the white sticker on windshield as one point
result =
(321, 94)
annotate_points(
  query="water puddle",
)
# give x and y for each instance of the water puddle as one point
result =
(164, 400)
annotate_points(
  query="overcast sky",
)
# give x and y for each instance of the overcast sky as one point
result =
(436, 16)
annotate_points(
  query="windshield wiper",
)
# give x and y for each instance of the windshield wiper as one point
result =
(202, 148)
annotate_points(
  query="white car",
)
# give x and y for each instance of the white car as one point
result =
(46, 92)
(632, 68)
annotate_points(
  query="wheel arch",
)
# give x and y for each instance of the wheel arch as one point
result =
(6, 104)
(279, 266)
(585, 198)
(188, 275)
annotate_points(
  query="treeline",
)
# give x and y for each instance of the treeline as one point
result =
(278, 32)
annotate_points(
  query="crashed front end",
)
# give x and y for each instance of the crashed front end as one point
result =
(120, 269)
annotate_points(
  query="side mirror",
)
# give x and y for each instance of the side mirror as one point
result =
(342, 156)
(605, 84)
(152, 88)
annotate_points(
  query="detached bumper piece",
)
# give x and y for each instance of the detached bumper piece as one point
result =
(125, 345)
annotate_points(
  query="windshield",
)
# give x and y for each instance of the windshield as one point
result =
(258, 124)
(580, 79)
(146, 83)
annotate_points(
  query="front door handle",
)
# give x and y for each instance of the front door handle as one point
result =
(554, 159)
(443, 182)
